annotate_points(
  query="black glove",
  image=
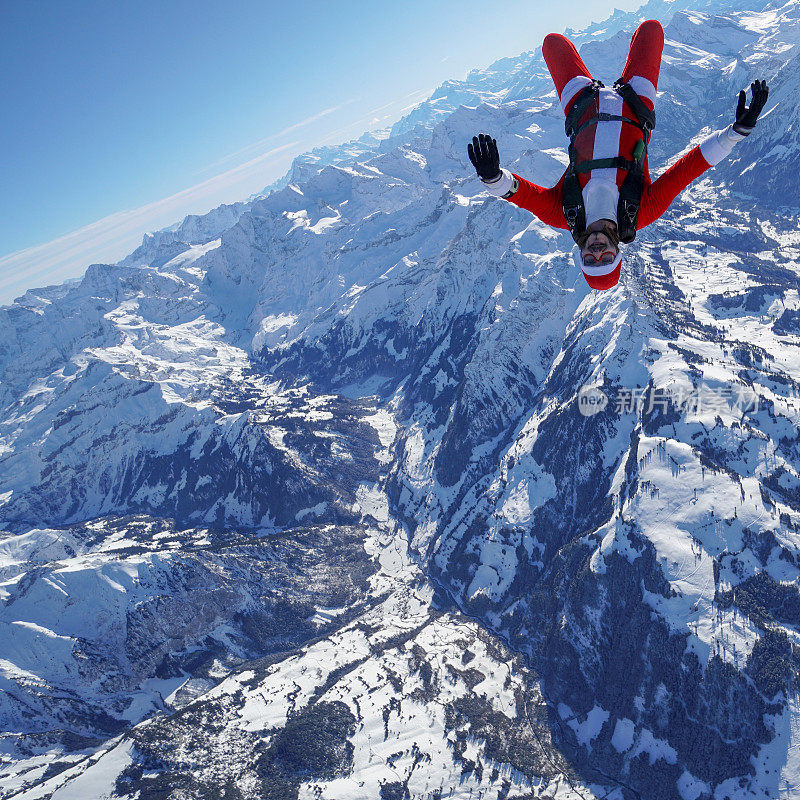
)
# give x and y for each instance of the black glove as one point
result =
(484, 157)
(746, 117)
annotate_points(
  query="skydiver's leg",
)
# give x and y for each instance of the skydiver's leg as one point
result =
(642, 67)
(566, 67)
(644, 61)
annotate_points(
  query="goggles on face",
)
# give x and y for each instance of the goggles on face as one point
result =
(595, 267)
(607, 257)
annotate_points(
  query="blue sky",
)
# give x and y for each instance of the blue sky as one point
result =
(121, 118)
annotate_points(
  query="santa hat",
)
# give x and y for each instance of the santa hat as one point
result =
(599, 276)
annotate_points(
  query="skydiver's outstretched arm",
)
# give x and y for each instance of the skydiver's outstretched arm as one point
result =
(544, 203)
(657, 197)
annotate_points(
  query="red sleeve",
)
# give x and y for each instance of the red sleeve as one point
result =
(544, 203)
(658, 195)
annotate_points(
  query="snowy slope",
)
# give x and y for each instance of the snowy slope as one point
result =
(298, 499)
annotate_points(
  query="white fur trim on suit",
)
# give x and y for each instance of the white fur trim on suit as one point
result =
(643, 87)
(719, 144)
(572, 88)
(502, 185)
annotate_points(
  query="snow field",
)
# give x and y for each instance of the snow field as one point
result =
(400, 244)
(700, 275)
(91, 777)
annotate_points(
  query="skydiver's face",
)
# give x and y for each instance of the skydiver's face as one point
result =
(599, 249)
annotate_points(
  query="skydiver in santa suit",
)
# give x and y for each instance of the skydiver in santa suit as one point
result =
(606, 195)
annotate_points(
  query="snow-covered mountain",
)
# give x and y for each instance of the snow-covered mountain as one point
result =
(304, 499)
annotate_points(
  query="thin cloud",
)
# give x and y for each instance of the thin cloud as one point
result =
(259, 144)
(370, 115)
(409, 107)
(114, 236)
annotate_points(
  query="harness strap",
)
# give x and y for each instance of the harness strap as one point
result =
(604, 163)
(630, 192)
(573, 207)
(579, 107)
(647, 118)
(630, 198)
(604, 117)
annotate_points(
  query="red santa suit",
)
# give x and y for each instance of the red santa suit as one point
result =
(607, 139)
